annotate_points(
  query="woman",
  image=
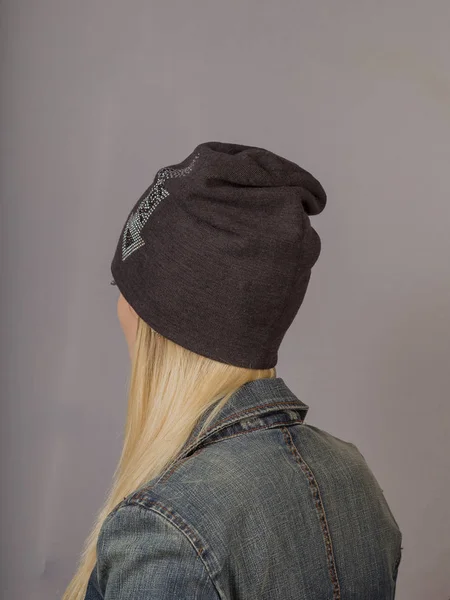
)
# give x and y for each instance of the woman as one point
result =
(222, 490)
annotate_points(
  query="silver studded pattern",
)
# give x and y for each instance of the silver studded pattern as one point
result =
(132, 239)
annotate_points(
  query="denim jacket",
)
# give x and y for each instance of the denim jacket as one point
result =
(262, 507)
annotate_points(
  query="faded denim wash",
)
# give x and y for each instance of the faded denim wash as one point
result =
(262, 507)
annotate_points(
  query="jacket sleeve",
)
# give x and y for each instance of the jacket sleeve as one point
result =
(142, 555)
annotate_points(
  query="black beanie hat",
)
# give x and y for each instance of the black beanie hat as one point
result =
(216, 255)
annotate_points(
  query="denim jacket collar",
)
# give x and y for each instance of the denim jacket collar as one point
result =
(257, 404)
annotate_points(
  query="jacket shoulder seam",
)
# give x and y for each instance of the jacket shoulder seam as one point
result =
(202, 550)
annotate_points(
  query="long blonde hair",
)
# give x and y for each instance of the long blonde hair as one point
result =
(169, 389)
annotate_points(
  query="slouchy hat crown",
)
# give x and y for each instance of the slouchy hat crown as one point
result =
(216, 254)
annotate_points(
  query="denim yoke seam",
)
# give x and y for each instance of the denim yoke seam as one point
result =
(203, 552)
(320, 510)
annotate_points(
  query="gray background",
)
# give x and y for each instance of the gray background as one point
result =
(95, 97)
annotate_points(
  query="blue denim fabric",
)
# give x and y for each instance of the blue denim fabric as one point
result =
(262, 507)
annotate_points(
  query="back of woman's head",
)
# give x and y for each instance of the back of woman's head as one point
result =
(215, 259)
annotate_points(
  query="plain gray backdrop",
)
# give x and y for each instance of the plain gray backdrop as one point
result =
(95, 97)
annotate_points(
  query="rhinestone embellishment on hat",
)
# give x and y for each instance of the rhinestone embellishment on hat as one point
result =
(132, 239)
